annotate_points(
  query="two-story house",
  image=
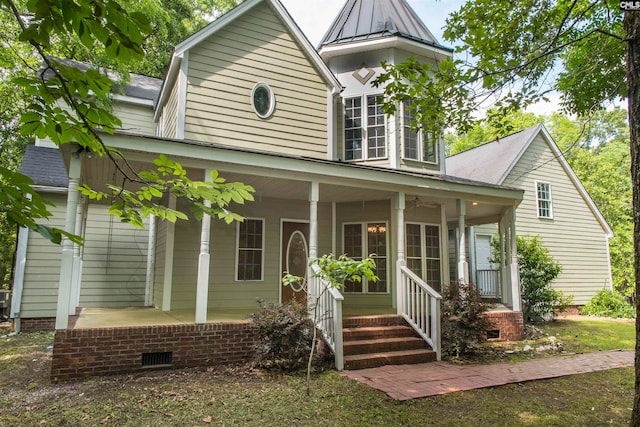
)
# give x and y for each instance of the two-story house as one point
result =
(250, 97)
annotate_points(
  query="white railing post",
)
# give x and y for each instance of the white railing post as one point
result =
(337, 330)
(329, 311)
(421, 308)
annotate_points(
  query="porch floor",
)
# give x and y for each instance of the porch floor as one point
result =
(140, 316)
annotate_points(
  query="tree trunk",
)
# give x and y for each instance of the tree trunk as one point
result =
(632, 34)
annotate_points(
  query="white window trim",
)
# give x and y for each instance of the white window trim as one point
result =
(237, 261)
(423, 252)
(420, 147)
(364, 128)
(365, 254)
(538, 200)
(272, 100)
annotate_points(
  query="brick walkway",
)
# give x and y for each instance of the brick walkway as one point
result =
(404, 382)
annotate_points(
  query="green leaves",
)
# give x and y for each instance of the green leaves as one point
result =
(212, 198)
(23, 206)
(337, 271)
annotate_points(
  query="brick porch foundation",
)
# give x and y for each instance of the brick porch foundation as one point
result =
(509, 324)
(81, 353)
(36, 324)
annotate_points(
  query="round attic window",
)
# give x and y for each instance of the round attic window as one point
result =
(263, 100)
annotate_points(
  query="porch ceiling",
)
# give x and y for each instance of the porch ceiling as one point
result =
(97, 171)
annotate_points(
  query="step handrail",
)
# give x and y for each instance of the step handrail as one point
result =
(329, 313)
(419, 304)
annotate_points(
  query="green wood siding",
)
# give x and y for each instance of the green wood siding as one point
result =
(114, 263)
(574, 236)
(224, 290)
(170, 113)
(135, 118)
(42, 268)
(222, 72)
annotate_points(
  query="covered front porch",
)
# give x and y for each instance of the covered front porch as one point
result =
(208, 272)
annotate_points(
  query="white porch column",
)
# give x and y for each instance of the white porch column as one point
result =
(66, 261)
(503, 266)
(202, 290)
(151, 263)
(314, 197)
(167, 286)
(463, 265)
(74, 298)
(400, 249)
(472, 256)
(444, 246)
(514, 271)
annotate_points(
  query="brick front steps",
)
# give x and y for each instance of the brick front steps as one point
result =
(374, 341)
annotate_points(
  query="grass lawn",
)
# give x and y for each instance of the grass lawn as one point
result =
(242, 396)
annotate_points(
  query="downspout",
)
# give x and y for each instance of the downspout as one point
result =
(18, 282)
(151, 262)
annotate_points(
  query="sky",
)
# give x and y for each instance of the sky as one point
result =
(315, 16)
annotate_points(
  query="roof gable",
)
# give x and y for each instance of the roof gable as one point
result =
(183, 48)
(493, 162)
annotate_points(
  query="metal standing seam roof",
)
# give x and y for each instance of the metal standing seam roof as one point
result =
(374, 19)
(491, 161)
(44, 165)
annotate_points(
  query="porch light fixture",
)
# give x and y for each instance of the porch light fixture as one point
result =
(377, 229)
(474, 203)
(263, 100)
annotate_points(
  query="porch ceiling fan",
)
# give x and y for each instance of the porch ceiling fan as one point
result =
(417, 202)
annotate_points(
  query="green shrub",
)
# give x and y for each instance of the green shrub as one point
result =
(609, 304)
(537, 270)
(463, 324)
(285, 336)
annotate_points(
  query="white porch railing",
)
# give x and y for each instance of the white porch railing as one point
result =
(328, 312)
(488, 282)
(419, 304)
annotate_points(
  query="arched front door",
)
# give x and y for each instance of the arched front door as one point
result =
(295, 254)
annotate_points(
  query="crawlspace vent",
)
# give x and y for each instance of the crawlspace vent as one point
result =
(157, 359)
(493, 334)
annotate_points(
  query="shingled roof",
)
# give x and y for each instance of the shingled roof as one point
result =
(139, 86)
(491, 162)
(374, 19)
(44, 166)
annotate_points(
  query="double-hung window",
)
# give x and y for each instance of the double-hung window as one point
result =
(361, 240)
(417, 145)
(543, 195)
(250, 250)
(364, 128)
(423, 252)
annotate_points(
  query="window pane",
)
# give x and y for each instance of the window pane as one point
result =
(433, 274)
(414, 248)
(353, 129)
(429, 146)
(410, 136)
(381, 272)
(432, 241)
(250, 249)
(544, 200)
(353, 240)
(377, 244)
(376, 138)
(353, 249)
